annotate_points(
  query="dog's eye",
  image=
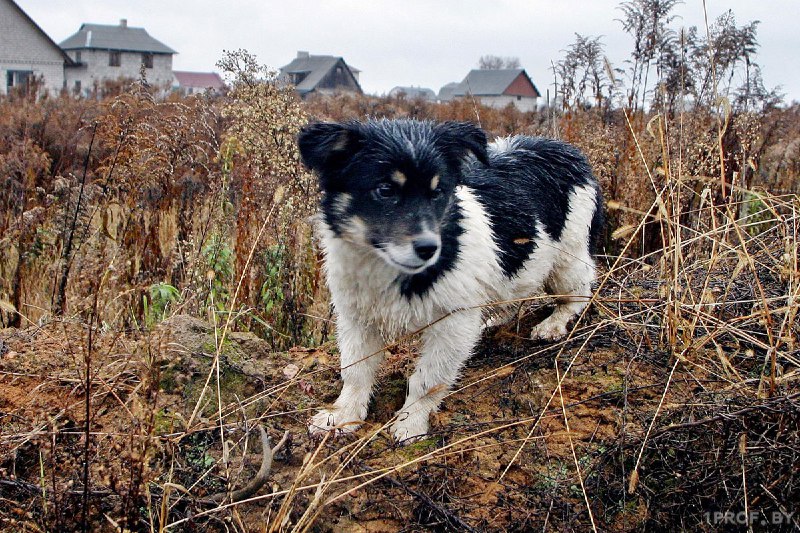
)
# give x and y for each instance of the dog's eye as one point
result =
(385, 191)
(436, 193)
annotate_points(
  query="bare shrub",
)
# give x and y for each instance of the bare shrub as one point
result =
(269, 186)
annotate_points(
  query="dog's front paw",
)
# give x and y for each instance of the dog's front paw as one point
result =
(549, 330)
(410, 427)
(336, 420)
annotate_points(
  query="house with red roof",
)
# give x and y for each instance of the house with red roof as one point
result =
(496, 88)
(188, 83)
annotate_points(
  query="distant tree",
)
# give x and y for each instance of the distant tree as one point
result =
(490, 62)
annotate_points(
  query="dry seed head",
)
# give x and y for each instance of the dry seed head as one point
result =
(623, 232)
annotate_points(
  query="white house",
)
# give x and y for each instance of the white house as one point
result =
(188, 83)
(106, 52)
(27, 52)
(499, 88)
(446, 92)
(413, 93)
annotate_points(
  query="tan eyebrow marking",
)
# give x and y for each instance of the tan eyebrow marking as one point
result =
(399, 178)
(434, 182)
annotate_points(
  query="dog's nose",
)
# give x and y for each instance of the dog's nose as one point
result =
(425, 248)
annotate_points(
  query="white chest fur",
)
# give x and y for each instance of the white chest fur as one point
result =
(364, 286)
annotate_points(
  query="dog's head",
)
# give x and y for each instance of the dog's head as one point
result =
(389, 184)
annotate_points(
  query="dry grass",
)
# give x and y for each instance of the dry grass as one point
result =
(675, 397)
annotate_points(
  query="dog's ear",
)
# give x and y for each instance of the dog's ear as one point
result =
(458, 138)
(326, 146)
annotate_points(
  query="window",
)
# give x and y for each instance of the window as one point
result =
(77, 88)
(147, 60)
(78, 56)
(113, 59)
(18, 78)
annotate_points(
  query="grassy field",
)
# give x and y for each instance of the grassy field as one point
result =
(164, 317)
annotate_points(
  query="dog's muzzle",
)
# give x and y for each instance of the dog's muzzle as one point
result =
(426, 247)
(414, 255)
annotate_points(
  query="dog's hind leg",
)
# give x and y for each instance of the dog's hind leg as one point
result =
(362, 351)
(447, 344)
(572, 284)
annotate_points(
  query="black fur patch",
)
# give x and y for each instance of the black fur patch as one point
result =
(528, 184)
(597, 229)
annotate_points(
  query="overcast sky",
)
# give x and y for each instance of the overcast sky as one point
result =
(411, 42)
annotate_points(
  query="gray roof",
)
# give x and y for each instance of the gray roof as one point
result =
(487, 82)
(316, 67)
(414, 92)
(446, 92)
(122, 38)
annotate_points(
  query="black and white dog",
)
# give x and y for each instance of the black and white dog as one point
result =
(423, 224)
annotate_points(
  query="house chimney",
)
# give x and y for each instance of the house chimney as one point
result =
(302, 55)
(123, 23)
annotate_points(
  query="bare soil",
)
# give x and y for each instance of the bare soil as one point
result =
(503, 454)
